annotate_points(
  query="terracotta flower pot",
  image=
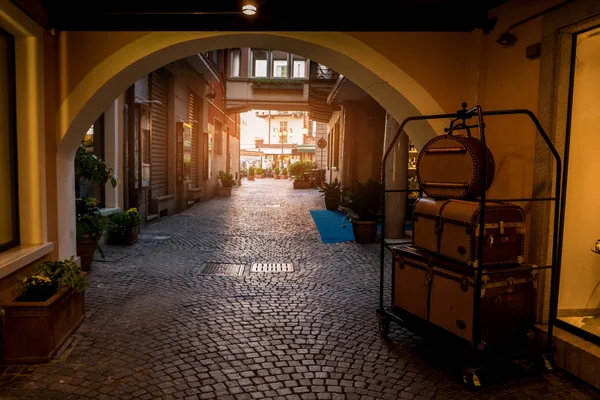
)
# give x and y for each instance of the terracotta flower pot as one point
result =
(86, 248)
(332, 203)
(284, 176)
(364, 231)
(130, 236)
(261, 176)
(225, 191)
(250, 177)
(301, 185)
(277, 176)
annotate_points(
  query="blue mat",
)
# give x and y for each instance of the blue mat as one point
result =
(332, 226)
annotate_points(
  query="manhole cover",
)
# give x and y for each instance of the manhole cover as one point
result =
(272, 267)
(212, 268)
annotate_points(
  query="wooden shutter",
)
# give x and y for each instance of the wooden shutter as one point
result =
(194, 118)
(159, 84)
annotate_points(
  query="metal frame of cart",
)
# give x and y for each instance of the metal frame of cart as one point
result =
(477, 357)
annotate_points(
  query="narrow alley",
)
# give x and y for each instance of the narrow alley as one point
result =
(158, 327)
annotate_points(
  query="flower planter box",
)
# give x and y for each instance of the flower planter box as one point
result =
(261, 176)
(298, 86)
(250, 177)
(34, 331)
(225, 191)
(277, 176)
(129, 237)
(284, 176)
(301, 185)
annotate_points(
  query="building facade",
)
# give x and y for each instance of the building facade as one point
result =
(167, 137)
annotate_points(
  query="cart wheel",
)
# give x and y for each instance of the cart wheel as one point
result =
(384, 327)
(542, 363)
(471, 379)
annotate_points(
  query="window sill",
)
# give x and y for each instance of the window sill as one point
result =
(14, 259)
(110, 211)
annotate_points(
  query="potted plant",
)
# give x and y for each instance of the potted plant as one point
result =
(365, 200)
(284, 173)
(91, 169)
(48, 308)
(260, 173)
(300, 171)
(251, 173)
(90, 224)
(276, 171)
(227, 183)
(332, 193)
(125, 227)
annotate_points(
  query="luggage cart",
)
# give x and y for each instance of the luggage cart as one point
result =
(476, 357)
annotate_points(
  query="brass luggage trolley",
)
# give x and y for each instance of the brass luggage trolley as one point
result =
(536, 351)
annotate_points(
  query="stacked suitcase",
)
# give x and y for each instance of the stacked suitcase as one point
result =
(434, 279)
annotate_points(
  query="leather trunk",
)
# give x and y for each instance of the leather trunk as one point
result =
(450, 167)
(443, 293)
(450, 228)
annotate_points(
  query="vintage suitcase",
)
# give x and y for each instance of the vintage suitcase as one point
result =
(449, 167)
(444, 292)
(450, 228)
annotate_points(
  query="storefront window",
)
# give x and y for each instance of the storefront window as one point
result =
(9, 210)
(579, 295)
(93, 141)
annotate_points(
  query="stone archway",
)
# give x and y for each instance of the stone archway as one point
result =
(395, 90)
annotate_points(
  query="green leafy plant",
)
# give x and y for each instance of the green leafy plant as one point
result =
(365, 200)
(49, 277)
(259, 171)
(90, 221)
(331, 189)
(251, 171)
(301, 170)
(226, 179)
(90, 167)
(277, 170)
(280, 81)
(284, 171)
(123, 221)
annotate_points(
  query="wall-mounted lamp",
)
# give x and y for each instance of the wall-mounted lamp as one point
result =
(249, 7)
(506, 39)
(304, 130)
(212, 94)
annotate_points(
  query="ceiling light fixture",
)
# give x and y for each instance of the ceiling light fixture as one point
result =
(249, 9)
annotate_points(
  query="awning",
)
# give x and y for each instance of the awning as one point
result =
(251, 153)
(305, 148)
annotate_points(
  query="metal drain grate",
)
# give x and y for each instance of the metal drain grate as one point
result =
(272, 267)
(213, 268)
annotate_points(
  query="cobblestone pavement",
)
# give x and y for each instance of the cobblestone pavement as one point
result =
(155, 328)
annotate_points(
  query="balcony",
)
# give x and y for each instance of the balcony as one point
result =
(321, 82)
(267, 94)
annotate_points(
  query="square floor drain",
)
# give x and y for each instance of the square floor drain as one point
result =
(272, 267)
(213, 268)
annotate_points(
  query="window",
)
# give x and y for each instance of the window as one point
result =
(9, 212)
(283, 126)
(260, 63)
(146, 146)
(236, 57)
(299, 67)
(218, 137)
(93, 142)
(280, 64)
